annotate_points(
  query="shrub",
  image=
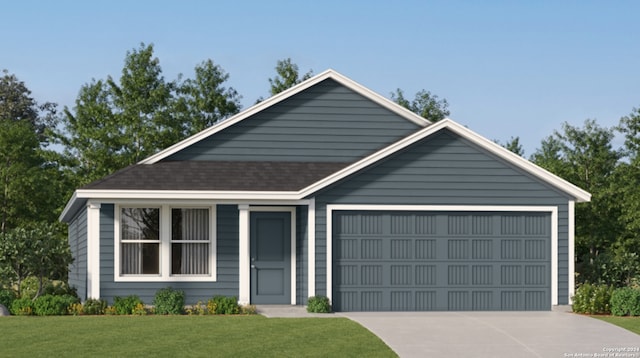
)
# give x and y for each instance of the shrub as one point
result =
(625, 302)
(29, 286)
(140, 310)
(592, 299)
(169, 301)
(110, 310)
(93, 306)
(50, 305)
(248, 309)
(127, 305)
(223, 305)
(199, 309)
(7, 297)
(318, 304)
(76, 309)
(22, 307)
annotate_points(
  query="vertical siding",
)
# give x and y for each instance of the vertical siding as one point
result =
(444, 169)
(227, 263)
(78, 246)
(326, 123)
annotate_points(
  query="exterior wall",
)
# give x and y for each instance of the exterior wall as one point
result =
(227, 263)
(443, 170)
(78, 246)
(325, 123)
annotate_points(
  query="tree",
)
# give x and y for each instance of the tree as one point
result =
(204, 100)
(116, 123)
(31, 186)
(288, 75)
(513, 145)
(425, 104)
(40, 250)
(585, 157)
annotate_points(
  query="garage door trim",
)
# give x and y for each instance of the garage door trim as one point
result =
(553, 210)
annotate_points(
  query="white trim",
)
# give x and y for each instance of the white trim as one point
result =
(572, 249)
(244, 255)
(328, 74)
(165, 242)
(475, 138)
(93, 250)
(254, 196)
(553, 210)
(311, 248)
(292, 211)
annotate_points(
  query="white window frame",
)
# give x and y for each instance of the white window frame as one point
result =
(165, 243)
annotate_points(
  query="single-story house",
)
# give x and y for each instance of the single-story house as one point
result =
(330, 189)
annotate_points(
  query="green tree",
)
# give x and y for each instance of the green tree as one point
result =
(585, 157)
(513, 145)
(116, 123)
(39, 250)
(31, 186)
(204, 100)
(425, 104)
(288, 75)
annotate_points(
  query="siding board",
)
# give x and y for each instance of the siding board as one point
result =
(325, 123)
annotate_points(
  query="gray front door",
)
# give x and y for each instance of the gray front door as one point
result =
(270, 257)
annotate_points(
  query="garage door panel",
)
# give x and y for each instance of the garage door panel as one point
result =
(406, 261)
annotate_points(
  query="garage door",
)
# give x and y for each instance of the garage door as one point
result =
(441, 261)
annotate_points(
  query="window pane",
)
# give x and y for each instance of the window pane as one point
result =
(140, 224)
(140, 259)
(190, 259)
(190, 224)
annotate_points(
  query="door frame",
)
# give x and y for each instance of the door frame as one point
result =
(245, 249)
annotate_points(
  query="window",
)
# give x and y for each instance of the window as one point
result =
(164, 243)
(190, 241)
(140, 237)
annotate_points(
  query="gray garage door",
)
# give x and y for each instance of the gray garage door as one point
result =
(441, 261)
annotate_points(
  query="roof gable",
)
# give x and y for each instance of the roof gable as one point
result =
(491, 147)
(327, 122)
(279, 98)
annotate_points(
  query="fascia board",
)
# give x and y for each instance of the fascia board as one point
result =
(185, 195)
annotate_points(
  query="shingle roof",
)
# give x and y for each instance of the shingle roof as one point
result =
(218, 175)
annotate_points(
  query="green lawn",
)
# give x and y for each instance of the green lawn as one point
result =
(630, 323)
(193, 336)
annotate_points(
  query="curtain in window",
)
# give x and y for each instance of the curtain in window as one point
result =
(138, 224)
(192, 225)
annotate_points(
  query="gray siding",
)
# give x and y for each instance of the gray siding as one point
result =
(227, 263)
(325, 123)
(443, 170)
(78, 246)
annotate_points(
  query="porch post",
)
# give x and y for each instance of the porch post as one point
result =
(93, 250)
(311, 232)
(244, 294)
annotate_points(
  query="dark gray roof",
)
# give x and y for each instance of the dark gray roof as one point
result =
(217, 176)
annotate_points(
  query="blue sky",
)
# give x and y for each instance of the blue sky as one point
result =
(507, 68)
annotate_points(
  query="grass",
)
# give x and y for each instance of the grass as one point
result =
(193, 336)
(630, 323)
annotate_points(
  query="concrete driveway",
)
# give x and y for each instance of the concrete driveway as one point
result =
(498, 334)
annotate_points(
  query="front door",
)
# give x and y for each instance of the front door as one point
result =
(270, 257)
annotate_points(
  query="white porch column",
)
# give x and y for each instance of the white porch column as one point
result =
(93, 250)
(572, 248)
(311, 260)
(244, 256)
